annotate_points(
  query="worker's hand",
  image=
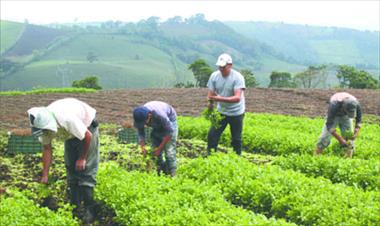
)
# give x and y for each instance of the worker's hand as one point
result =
(343, 143)
(80, 164)
(210, 105)
(143, 152)
(157, 152)
(356, 133)
(44, 179)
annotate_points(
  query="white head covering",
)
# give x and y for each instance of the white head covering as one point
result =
(223, 60)
(43, 119)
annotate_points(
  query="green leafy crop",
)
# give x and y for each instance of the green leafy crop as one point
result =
(213, 116)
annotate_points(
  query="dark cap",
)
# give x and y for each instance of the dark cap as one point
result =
(140, 115)
(349, 107)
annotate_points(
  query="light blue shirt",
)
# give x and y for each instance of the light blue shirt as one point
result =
(225, 87)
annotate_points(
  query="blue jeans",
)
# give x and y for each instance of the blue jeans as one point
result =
(170, 163)
(344, 124)
(236, 128)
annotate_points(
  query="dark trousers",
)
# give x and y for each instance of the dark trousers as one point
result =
(236, 128)
(73, 149)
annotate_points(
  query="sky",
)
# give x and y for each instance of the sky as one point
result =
(356, 14)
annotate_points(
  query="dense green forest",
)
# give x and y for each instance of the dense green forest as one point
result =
(151, 53)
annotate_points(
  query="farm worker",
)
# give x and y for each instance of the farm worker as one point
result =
(162, 118)
(74, 121)
(343, 107)
(226, 87)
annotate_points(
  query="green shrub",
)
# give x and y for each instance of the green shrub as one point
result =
(90, 82)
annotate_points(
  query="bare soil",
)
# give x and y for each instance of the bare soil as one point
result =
(116, 106)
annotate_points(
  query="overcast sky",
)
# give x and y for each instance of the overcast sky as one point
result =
(358, 14)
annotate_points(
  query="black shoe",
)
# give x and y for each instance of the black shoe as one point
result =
(87, 194)
(173, 172)
(75, 199)
(89, 215)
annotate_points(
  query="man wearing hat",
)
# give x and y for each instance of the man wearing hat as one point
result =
(75, 121)
(226, 87)
(343, 107)
(162, 118)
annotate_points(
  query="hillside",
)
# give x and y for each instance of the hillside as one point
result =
(141, 55)
(33, 38)
(316, 45)
(154, 54)
(121, 63)
(9, 34)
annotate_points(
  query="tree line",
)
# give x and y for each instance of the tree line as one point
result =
(312, 77)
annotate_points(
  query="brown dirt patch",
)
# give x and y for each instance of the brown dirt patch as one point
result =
(116, 106)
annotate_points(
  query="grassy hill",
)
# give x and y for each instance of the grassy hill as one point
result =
(316, 45)
(121, 63)
(151, 54)
(9, 34)
(33, 38)
(130, 55)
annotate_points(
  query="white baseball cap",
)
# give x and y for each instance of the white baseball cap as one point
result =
(223, 60)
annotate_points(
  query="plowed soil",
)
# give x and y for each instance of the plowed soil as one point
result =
(116, 106)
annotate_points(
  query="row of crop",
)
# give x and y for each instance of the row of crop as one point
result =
(287, 194)
(17, 209)
(47, 90)
(283, 135)
(360, 173)
(354, 172)
(145, 199)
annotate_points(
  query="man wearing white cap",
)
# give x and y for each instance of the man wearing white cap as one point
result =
(75, 121)
(343, 107)
(226, 87)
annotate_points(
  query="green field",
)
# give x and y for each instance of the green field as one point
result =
(9, 34)
(141, 55)
(120, 64)
(276, 180)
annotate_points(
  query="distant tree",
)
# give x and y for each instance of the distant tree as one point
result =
(201, 71)
(7, 66)
(110, 24)
(153, 21)
(189, 85)
(184, 85)
(149, 28)
(174, 20)
(281, 80)
(179, 85)
(128, 28)
(250, 80)
(90, 82)
(349, 77)
(312, 77)
(196, 19)
(91, 57)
